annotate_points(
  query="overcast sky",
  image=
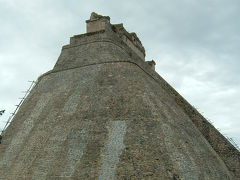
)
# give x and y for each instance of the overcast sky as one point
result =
(195, 43)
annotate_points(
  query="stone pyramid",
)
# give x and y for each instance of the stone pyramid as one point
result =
(104, 113)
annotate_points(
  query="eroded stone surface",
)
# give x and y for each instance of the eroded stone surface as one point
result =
(104, 113)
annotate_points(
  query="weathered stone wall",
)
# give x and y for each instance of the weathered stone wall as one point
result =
(104, 113)
(104, 121)
(133, 47)
(98, 23)
(229, 154)
(93, 26)
(130, 39)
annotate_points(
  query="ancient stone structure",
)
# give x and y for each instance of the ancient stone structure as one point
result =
(104, 113)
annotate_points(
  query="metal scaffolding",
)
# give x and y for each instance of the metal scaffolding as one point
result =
(18, 106)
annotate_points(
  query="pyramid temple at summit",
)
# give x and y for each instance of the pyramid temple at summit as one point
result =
(104, 113)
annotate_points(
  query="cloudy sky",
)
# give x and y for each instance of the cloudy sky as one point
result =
(196, 45)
